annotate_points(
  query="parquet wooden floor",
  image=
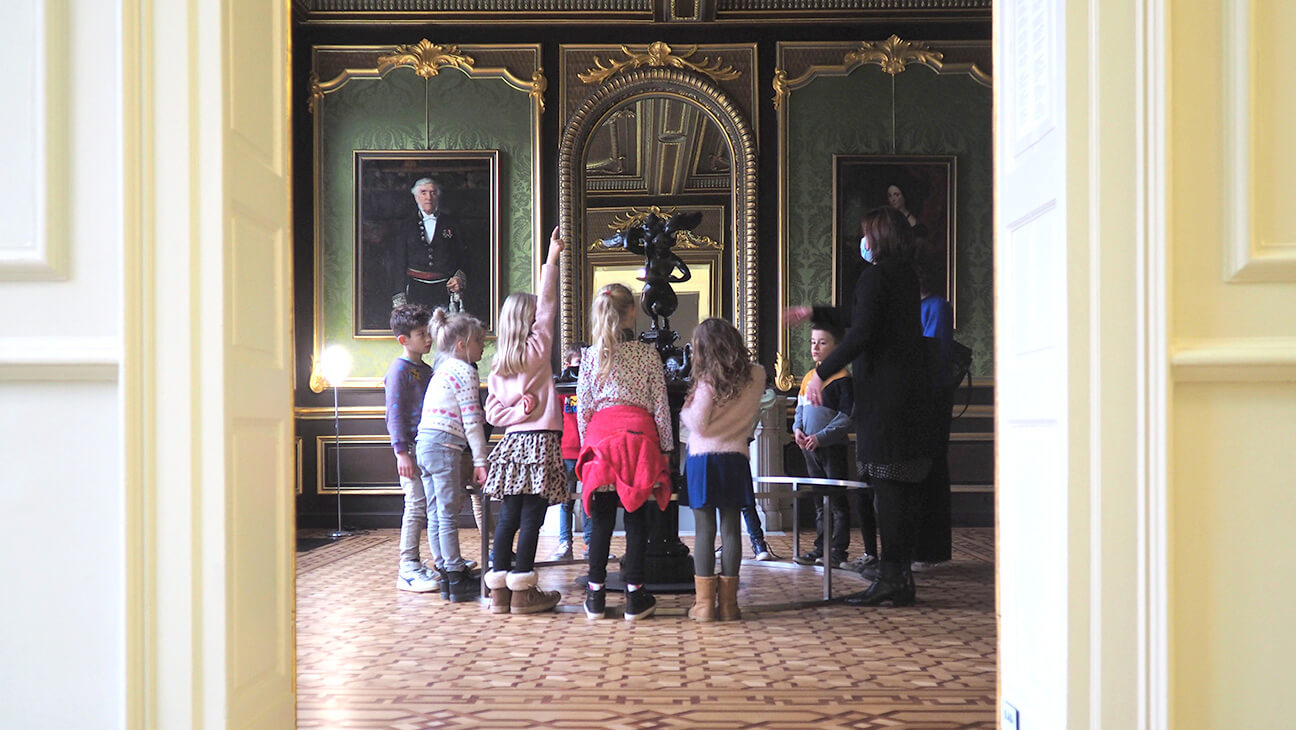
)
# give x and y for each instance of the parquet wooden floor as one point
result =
(370, 656)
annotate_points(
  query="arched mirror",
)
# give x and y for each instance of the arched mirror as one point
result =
(660, 140)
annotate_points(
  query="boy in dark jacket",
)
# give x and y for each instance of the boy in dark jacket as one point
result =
(823, 432)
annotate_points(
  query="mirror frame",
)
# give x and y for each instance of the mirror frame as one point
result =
(701, 92)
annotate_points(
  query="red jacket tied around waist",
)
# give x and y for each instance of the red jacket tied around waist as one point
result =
(621, 448)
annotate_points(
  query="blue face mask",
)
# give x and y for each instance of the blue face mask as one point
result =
(865, 252)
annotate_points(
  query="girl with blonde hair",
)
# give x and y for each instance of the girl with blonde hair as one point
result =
(451, 422)
(719, 413)
(526, 469)
(625, 426)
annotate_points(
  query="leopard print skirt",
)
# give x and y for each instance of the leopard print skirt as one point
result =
(528, 462)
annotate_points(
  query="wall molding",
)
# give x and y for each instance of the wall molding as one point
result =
(1248, 258)
(1234, 360)
(87, 359)
(38, 249)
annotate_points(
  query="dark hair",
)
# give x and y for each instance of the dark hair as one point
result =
(836, 331)
(888, 233)
(572, 348)
(406, 317)
(930, 263)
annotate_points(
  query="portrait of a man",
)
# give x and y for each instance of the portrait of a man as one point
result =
(425, 234)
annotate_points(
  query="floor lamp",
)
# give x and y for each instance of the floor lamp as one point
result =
(335, 366)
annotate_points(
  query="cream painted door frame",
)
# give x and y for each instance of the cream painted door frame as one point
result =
(208, 364)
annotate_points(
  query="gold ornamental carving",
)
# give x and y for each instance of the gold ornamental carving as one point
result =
(894, 54)
(660, 55)
(780, 88)
(426, 58)
(538, 86)
(783, 378)
(635, 216)
(316, 93)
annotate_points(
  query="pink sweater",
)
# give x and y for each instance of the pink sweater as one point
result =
(504, 402)
(722, 430)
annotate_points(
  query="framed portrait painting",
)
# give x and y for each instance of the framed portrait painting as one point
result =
(922, 188)
(426, 233)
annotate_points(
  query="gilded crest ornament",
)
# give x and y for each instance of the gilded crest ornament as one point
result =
(780, 87)
(426, 58)
(894, 54)
(538, 86)
(659, 55)
(685, 239)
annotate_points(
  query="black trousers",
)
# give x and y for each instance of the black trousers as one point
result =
(521, 515)
(603, 510)
(896, 504)
(933, 541)
(831, 462)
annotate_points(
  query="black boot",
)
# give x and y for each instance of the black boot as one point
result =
(463, 587)
(891, 586)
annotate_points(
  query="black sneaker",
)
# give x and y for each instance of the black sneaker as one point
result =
(639, 604)
(463, 587)
(810, 558)
(595, 602)
(445, 584)
(762, 551)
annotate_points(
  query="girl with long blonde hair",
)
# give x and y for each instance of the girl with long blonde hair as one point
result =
(526, 469)
(625, 426)
(719, 413)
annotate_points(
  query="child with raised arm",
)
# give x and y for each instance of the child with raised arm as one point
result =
(719, 413)
(625, 426)
(403, 387)
(452, 421)
(526, 470)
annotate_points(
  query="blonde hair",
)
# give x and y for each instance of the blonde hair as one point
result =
(720, 359)
(517, 317)
(611, 305)
(450, 329)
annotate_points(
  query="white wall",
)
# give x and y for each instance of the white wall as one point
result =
(61, 486)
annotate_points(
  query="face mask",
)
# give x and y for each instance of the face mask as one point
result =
(865, 251)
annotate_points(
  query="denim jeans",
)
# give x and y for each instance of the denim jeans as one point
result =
(440, 458)
(565, 515)
(420, 513)
(752, 518)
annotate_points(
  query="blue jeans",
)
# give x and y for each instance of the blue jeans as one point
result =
(440, 458)
(752, 518)
(565, 510)
(420, 512)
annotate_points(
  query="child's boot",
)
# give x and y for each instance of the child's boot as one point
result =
(463, 587)
(727, 603)
(527, 598)
(501, 596)
(704, 598)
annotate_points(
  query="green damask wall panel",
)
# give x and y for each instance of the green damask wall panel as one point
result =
(389, 114)
(935, 115)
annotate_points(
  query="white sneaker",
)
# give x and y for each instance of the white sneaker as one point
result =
(418, 580)
(564, 552)
(862, 561)
(919, 566)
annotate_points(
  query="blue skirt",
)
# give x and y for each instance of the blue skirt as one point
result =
(718, 480)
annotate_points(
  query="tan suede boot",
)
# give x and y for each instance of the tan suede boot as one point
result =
(501, 596)
(727, 608)
(527, 598)
(704, 598)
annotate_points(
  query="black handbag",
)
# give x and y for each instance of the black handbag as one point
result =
(961, 368)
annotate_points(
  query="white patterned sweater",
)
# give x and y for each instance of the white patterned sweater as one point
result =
(452, 405)
(637, 379)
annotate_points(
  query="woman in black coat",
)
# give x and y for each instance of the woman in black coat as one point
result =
(893, 396)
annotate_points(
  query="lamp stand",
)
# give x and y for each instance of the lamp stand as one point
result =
(339, 533)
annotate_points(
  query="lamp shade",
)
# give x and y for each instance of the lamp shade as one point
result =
(335, 364)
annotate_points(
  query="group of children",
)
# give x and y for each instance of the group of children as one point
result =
(623, 434)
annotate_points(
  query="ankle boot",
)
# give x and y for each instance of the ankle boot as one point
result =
(527, 598)
(890, 587)
(727, 602)
(501, 596)
(704, 599)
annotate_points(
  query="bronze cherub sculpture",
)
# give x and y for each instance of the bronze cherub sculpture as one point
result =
(653, 237)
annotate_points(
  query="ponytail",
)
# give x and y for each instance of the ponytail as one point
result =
(448, 330)
(611, 305)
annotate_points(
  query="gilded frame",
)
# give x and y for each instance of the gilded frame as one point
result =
(385, 218)
(335, 66)
(692, 88)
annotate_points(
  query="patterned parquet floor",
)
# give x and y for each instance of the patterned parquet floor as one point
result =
(370, 656)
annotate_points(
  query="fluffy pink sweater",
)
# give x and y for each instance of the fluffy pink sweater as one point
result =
(504, 402)
(725, 429)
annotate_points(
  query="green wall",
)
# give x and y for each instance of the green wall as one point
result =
(389, 114)
(934, 115)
